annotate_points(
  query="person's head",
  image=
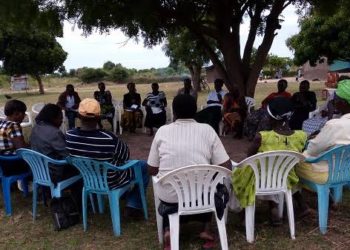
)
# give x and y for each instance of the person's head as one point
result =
(280, 110)
(342, 96)
(187, 83)
(304, 86)
(282, 85)
(15, 110)
(89, 112)
(218, 83)
(131, 87)
(50, 114)
(70, 89)
(184, 107)
(155, 87)
(101, 86)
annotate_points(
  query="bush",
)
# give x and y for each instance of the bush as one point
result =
(88, 75)
(118, 74)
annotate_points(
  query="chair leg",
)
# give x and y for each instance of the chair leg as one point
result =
(143, 199)
(159, 219)
(249, 223)
(323, 203)
(280, 205)
(35, 198)
(115, 213)
(337, 193)
(100, 201)
(222, 232)
(174, 220)
(290, 211)
(92, 203)
(24, 182)
(6, 189)
(84, 195)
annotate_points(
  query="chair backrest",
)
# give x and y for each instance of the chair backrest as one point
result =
(95, 172)
(39, 164)
(271, 169)
(37, 107)
(250, 103)
(338, 159)
(195, 186)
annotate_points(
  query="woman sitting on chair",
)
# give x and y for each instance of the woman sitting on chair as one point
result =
(281, 137)
(155, 103)
(235, 112)
(132, 116)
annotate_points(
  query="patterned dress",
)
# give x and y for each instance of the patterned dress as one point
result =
(155, 108)
(243, 179)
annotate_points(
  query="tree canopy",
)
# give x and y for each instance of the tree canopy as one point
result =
(206, 20)
(183, 48)
(322, 36)
(30, 52)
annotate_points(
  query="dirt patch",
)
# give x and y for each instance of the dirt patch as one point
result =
(140, 144)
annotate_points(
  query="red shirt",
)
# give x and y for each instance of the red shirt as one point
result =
(273, 95)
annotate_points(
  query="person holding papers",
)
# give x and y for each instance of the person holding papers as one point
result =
(155, 103)
(132, 116)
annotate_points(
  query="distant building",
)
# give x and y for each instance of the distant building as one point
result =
(319, 72)
(19, 82)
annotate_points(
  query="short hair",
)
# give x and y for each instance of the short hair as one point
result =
(14, 106)
(129, 84)
(219, 81)
(48, 113)
(187, 80)
(305, 82)
(69, 86)
(184, 106)
(154, 84)
(282, 82)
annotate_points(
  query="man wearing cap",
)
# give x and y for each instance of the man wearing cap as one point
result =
(87, 141)
(335, 132)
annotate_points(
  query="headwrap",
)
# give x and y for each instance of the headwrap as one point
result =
(280, 108)
(343, 90)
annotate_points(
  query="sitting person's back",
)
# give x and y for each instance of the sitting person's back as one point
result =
(182, 143)
(89, 142)
(282, 85)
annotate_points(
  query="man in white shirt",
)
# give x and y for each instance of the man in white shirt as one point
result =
(335, 132)
(181, 143)
(212, 113)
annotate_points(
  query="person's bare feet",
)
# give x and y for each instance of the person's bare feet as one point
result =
(206, 236)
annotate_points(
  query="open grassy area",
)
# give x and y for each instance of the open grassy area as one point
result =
(20, 232)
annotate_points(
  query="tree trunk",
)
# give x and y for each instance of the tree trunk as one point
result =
(195, 71)
(40, 83)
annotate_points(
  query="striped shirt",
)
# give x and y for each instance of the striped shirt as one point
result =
(156, 101)
(104, 146)
(8, 131)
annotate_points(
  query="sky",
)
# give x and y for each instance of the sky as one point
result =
(96, 49)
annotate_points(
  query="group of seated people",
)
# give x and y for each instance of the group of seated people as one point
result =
(181, 143)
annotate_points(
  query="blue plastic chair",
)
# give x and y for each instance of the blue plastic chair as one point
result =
(8, 180)
(338, 159)
(39, 165)
(95, 181)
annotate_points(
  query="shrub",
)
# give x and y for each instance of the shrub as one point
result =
(88, 75)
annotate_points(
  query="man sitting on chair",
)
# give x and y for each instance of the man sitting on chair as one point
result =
(87, 141)
(181, 143)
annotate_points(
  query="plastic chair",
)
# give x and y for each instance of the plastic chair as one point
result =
(116, 117)
(271, 170)
(250, 103)
(8, 180)
(338, 159)
(39, 165)
(191, 183)
(95, 181)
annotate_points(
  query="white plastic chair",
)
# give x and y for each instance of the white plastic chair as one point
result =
(27, 122)
(271, 170)
(191, 184)
(250, 103)
(117, 116)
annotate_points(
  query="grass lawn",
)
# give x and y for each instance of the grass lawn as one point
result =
(20, 232)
